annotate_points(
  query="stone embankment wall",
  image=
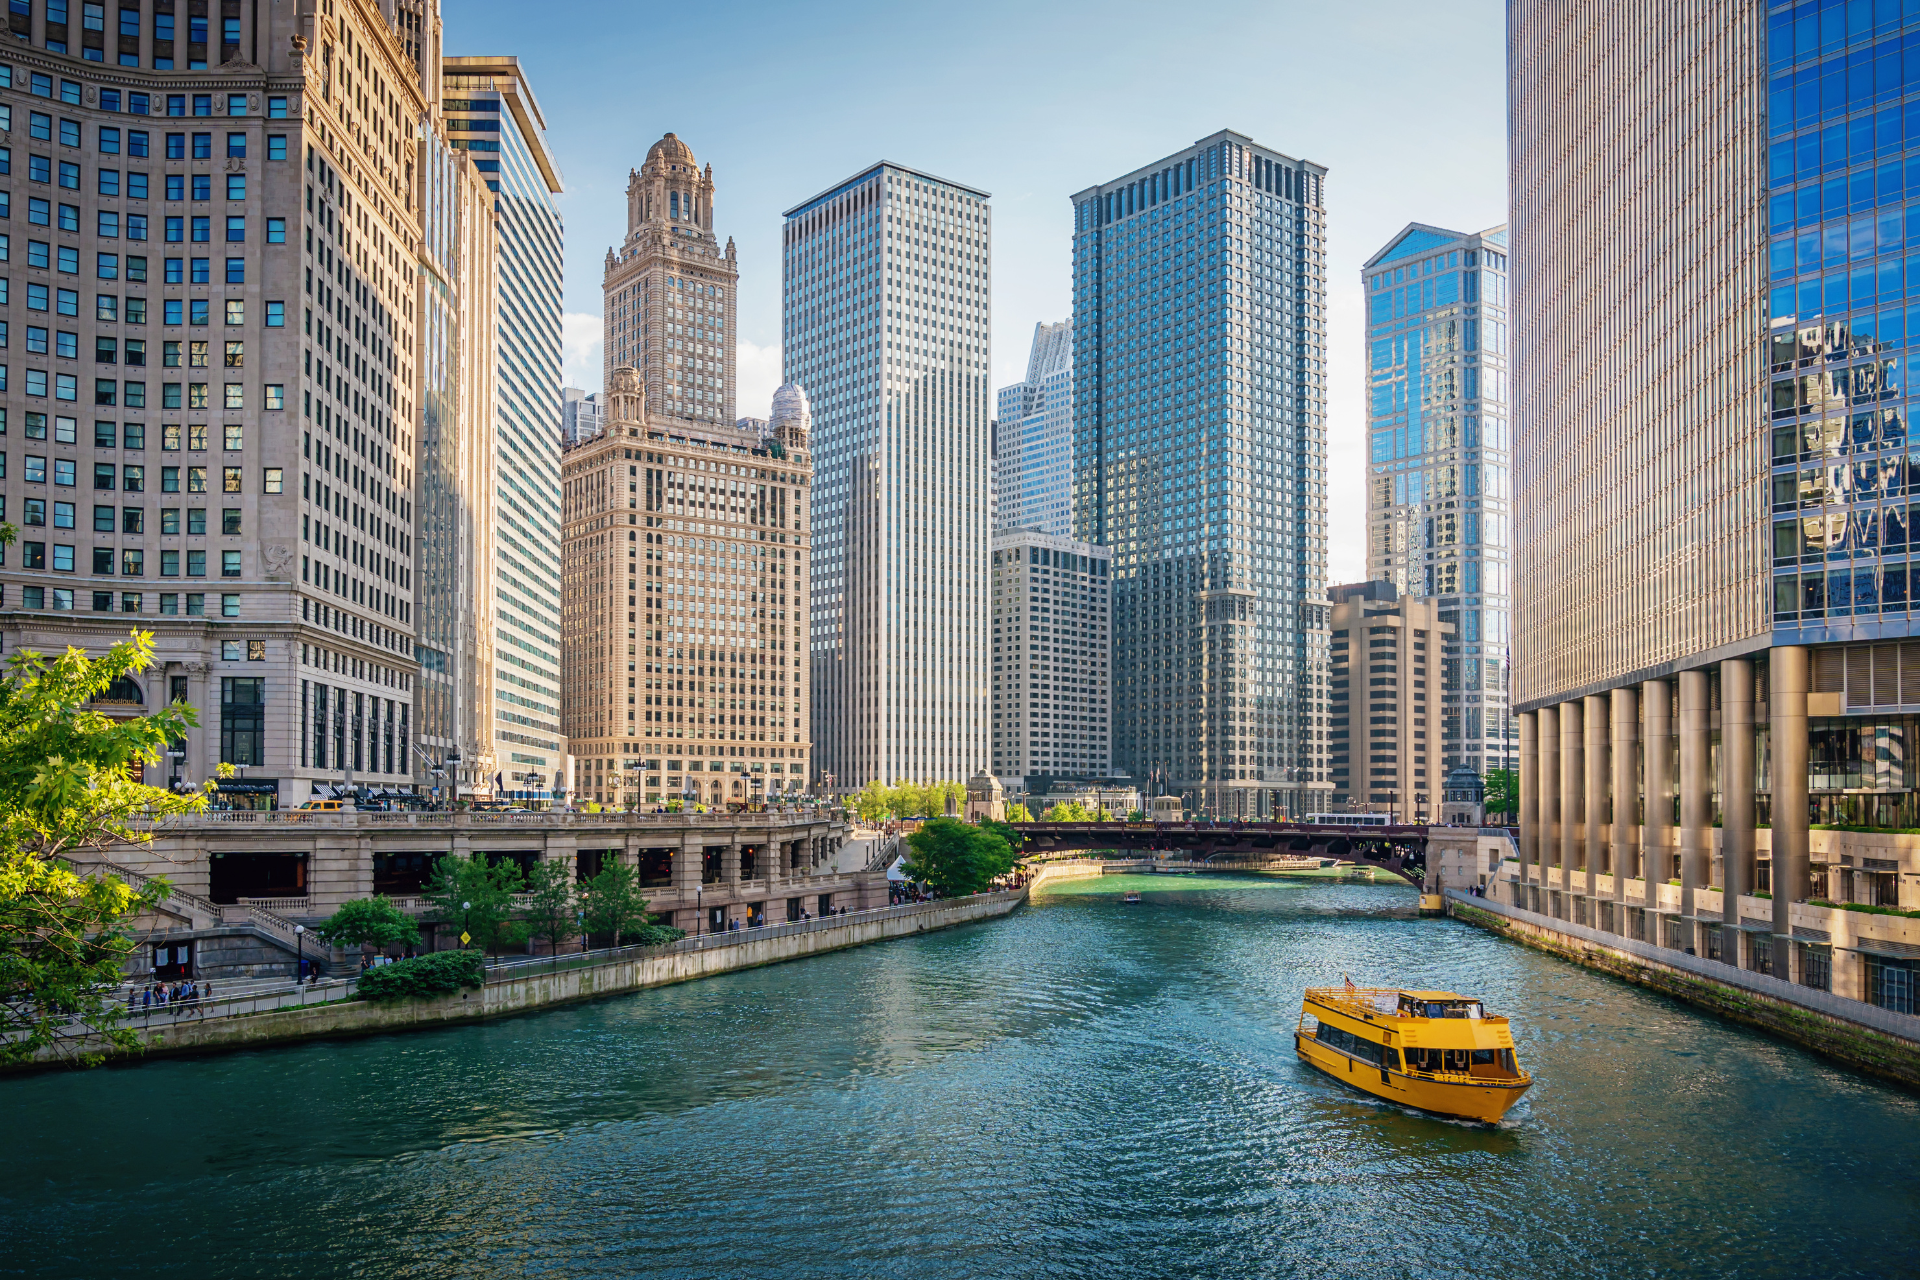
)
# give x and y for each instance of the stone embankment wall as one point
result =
(523, 988)
(1863, 1036)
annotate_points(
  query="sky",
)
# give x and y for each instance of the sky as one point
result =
(1403, 102)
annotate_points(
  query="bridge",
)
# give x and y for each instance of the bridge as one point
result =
(1242, 846)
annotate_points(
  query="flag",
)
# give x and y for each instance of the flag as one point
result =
(1350, 985)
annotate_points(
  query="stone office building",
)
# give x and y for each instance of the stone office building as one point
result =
(686, 590)
(1383, 701)
(1712, 592)
(208, 397)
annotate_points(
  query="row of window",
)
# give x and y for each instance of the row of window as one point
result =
(177, 146)
(132, 477)
(131, 435)
(109, 393)
(131, 519)
(61, 598)
(39, 211)
(132, 561)
(177, 230)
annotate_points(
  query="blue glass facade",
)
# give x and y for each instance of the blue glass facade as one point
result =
(1438, 464)
(1199, 458)
(1843, 212)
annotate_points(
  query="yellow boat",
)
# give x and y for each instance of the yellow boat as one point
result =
(1434, 1050)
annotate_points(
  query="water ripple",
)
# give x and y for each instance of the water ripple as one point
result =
(1086, 1089)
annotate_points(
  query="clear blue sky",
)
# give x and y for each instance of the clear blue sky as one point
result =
(1030, 101)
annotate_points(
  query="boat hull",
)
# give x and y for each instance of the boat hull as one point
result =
(1479, 1100)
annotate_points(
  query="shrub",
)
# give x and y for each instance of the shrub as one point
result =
(440, 974)
(1863, 908)
(650, 935)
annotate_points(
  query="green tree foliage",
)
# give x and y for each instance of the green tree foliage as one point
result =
(368, 920)
(612, 901)
(1503, 792)
(551, 904)
(1072, 811)
(873, 805)
(1015, 841)
(956, 858)
(1017, 812)
(67, 788)
(423, 978)
(486, 888)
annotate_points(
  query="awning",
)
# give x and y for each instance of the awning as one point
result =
(322, 791)
(250, 786)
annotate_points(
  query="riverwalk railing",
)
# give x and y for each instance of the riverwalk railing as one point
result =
(513, 968)
(1905, 1026)
(544, 817)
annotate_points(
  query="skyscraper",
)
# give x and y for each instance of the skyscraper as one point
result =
(687, 583)
(453, 484)
(1384, 734)
(1052, 606)
(1034, 422)
(580, 415)
(669, 291)
(248, 440)
(1438, 509)
(1711, 468)
(886, 326)
(1199, 458)
(491, 113)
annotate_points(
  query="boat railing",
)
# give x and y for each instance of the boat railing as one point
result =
(1456, 1077)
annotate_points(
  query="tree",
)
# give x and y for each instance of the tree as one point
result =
(612, 901)
(1071, 811)
(368, 920)
(67, 786)
(551, 902)
(873, 804)
(907, 799)
(1017, 812)
(939, 793)
(956, 858)
(477, 895)
(1503, 792)
(1015, 841)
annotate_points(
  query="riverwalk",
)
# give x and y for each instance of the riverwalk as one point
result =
(1879, 1041)
(264, 1016)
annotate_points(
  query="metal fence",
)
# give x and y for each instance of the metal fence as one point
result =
(1905, 1026)
(508, 970)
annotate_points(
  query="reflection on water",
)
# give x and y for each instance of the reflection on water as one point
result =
(1088, 1088)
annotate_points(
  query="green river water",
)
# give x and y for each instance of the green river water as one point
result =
(1084, 1089)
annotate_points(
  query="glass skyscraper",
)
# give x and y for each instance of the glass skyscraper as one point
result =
(1199, 459)
(491, 113)
(1034, 438)
(885, 325)
(1438, 506)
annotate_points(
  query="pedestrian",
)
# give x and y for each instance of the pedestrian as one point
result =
(146, 999)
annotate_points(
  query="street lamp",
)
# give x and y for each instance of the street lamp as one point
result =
(300, 952)
(466, 916)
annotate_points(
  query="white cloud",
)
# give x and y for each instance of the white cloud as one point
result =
(757, 375)
(580, 336)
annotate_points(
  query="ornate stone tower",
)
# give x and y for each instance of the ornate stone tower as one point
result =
(670, 298)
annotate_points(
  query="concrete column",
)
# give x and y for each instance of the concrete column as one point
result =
(1736, 792)
(730, 864)
(1572, 800)
(1696, 787)
(1529, 799)
(1656, 833)
(1625, 722)
(1549, 766)
(1593, 714)
(1787, 685)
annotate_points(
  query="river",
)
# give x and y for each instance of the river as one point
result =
(1085, 1089)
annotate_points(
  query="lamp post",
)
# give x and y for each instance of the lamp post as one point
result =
(300, 952)
(466, 915)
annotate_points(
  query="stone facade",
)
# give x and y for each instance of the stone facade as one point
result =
(245, 237)
(671, 303)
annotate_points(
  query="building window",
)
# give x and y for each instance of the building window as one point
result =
(243, 719)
